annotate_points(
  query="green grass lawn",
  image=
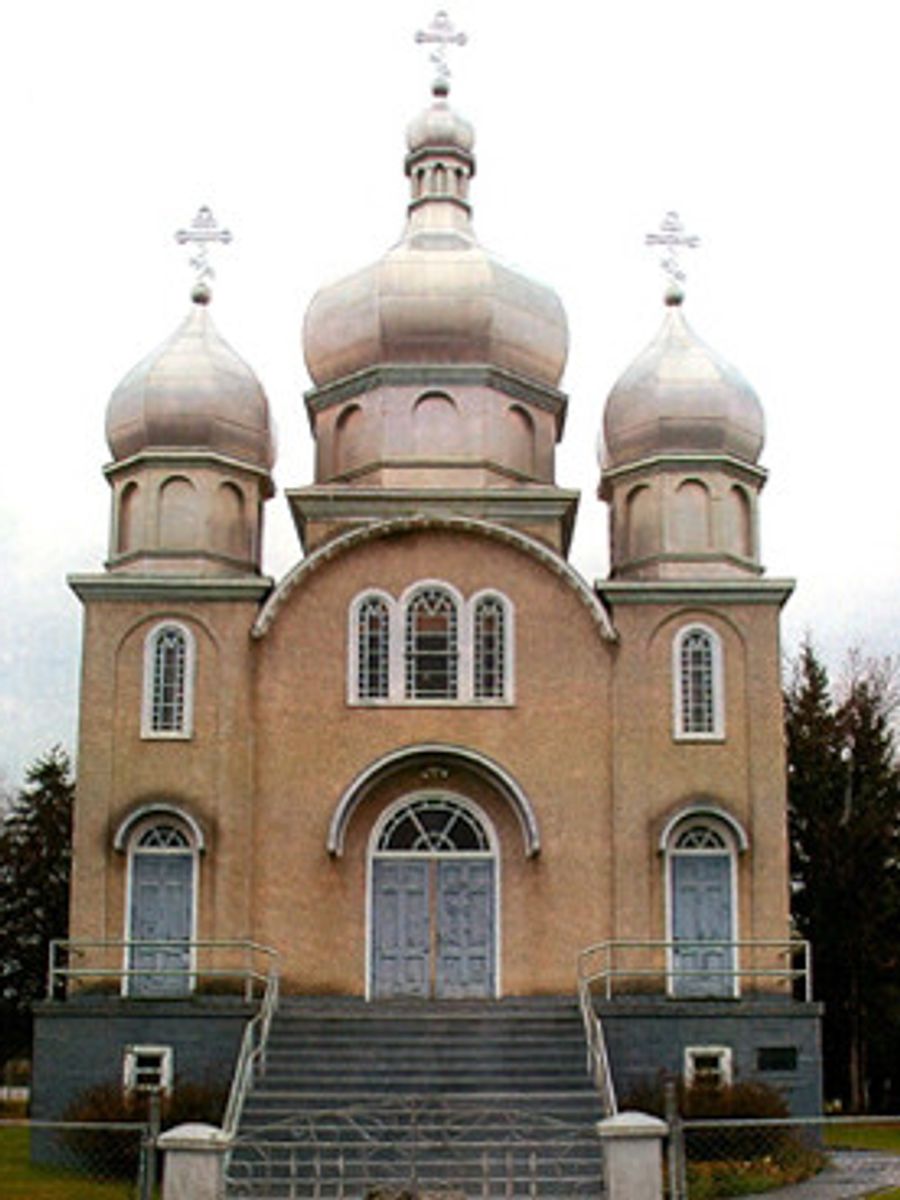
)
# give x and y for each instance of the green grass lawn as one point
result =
(865, 1137)
(20, 1180)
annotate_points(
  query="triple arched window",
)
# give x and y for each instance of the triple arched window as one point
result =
(168, 697)
(697, 679)
(431, 645)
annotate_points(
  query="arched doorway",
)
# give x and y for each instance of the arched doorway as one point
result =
(433, 900)
(701, 857)
(162, 879)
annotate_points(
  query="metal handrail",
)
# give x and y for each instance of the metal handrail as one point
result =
(247, 969)
(251, 1059)
(597, 1054)
(609, 971)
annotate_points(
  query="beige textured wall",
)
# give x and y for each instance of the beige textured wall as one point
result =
(276, 744)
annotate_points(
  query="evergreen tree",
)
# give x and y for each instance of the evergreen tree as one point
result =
(35, 856)
(844, 813)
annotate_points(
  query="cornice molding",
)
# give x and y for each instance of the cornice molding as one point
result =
(169, 587)
(701, 591)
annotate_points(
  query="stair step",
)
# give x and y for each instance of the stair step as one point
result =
(355, 1072)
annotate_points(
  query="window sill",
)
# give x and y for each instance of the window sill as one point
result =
(698, 738)
(437, 703)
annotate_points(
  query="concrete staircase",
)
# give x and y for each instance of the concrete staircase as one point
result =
(483, 1098)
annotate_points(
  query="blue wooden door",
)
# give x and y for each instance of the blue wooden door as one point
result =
(464, 966)
(401, 928)
(701, 922)
(432, 928)
(162, 888)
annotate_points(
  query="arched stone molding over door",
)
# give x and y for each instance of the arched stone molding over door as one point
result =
(433, 889)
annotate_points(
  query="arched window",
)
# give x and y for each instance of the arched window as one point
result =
(431, 645)
(432, 649)
(161, 916)
(168, 682)
(490, 648)
(372, 649)
(697, 678)
(434, 825)
(701, 859)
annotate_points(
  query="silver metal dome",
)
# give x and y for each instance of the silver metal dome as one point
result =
(437, 297)
(679, 396)
(193, 392)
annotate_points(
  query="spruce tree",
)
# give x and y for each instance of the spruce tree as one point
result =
(844, 811)
(35, 856)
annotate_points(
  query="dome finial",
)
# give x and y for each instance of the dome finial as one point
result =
(440, 34)
(672, 237)
(203, 230)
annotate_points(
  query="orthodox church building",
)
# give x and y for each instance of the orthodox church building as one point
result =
(433, 761)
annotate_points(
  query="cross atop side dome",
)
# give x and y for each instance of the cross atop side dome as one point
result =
(682, 435)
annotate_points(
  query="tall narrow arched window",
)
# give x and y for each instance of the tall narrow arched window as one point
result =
(372, 649)
(168, 682)
(697, 680)
(490, 650)
(432, 646)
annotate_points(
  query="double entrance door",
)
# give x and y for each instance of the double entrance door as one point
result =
(432, 927)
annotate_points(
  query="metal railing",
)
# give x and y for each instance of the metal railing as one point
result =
(655, 966)
(597, 1054)
(85, 966)
(251, 1060)
(418, 1144)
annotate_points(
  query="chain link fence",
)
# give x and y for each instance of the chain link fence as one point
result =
(120, 1156)
(820, 1158)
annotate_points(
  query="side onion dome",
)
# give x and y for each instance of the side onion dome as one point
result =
(437, 297)
(192, 392)
(680, 397)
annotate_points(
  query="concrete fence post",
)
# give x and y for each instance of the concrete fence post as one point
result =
(194, 1164)
(633, 1156)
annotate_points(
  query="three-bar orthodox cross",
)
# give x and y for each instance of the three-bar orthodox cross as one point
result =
(202, 231)
(672, 238)
(440, 34)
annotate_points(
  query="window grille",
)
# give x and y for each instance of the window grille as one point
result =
(436, 825)
(698, 714)
(490, 649)
(163, 837)
(431, 646)
(169, 676)
(373, 649)
(701, 837)
(148, 1068)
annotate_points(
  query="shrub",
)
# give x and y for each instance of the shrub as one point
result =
(114, 1153)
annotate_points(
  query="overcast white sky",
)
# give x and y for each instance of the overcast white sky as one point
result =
(770, 125)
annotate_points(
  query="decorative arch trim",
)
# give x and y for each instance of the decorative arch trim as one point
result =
(511, 537)
(157, 808)
(361, 787)
(704, 808)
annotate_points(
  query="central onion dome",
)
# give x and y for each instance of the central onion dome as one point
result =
(680, 397)
(192, 393)
(437, 297)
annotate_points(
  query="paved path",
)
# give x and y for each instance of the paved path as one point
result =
(851, 1174)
